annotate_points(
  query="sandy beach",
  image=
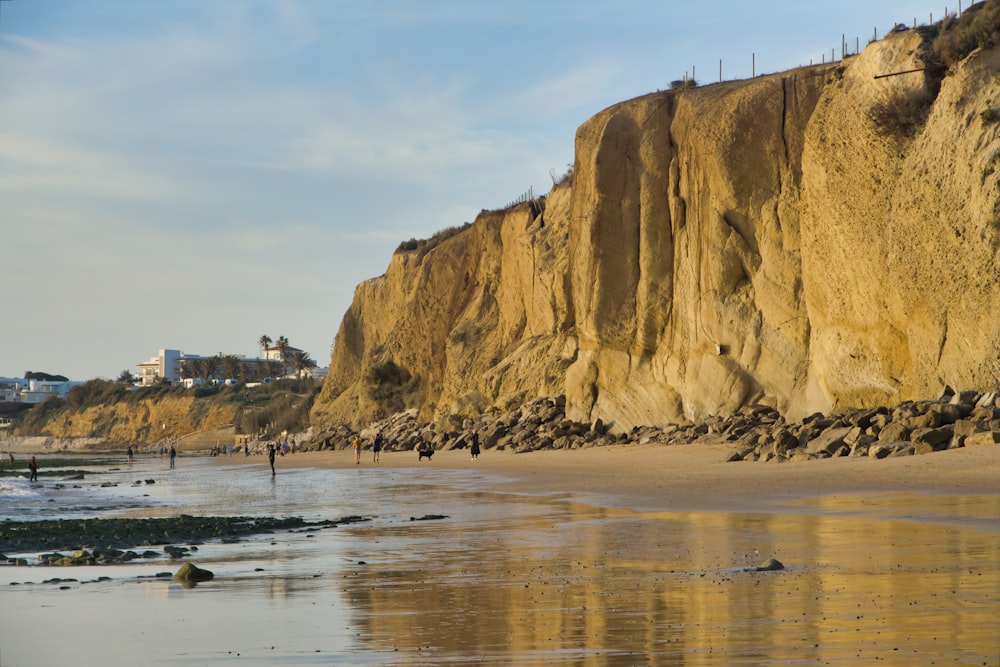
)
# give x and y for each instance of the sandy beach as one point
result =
(619, 555)
(694, 476)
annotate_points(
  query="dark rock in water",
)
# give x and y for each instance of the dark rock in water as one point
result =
(770, 565)
(428, 517)
(191, 573)
(176, 552)
(150, 481)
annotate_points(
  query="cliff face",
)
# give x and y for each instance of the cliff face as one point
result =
(144, 422)
(811, 240)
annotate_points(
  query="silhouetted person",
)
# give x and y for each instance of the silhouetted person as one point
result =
(271, 449)
(33, 467)
(474, 449)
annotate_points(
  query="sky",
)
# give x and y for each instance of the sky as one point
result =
(195, 174)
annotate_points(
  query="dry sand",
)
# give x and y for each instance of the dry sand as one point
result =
(695, 476)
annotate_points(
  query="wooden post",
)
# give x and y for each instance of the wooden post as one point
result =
(694, 81)
(753, 65)
(843, 46)
(720, 70)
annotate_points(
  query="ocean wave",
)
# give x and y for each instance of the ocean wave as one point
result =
(17, 487)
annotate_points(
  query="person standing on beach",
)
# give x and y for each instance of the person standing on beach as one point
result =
(357, 449)
(271, 449)
(33, 467)
(474, 449)
(173, 455)
(129, 454)
(376, 447)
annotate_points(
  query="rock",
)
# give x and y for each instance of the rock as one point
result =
(926, 440)
(829, 441)
(770, 565)
(982, 438)
(894, 432)
(191, 573)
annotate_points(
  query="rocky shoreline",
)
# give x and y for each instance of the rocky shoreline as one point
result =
(757, 432)
(113, 541)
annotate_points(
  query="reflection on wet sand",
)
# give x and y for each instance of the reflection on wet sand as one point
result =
(586, 585)
(510, 579)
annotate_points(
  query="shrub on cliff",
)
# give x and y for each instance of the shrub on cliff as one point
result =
(95, 391)
(903, 115)
(392, 387)
(422, 247)
(979, 27)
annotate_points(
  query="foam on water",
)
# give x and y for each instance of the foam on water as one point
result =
(17, 488)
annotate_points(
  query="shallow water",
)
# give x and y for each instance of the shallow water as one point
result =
(510, 579)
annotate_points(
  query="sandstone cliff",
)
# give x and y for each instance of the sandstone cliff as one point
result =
(183, 420)
(812, 240)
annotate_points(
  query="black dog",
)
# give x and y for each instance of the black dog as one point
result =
(421, 453)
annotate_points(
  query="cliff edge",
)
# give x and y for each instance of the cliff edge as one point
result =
(813, 240)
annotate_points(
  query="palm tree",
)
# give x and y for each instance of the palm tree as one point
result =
(231, 366)
(264, 341)
(282, 346)
(302, 363)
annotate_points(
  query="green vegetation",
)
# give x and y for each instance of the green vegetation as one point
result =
(902, 116)
(393, 388)
(683, 84)
(978, 28)
(425, 246)
(274, 407)
(45, 377)
(267, 409)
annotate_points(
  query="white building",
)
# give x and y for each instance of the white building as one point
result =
(166, 365)
(17, 390)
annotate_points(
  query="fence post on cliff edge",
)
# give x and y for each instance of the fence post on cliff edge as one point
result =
(753, 65)
(720, 70)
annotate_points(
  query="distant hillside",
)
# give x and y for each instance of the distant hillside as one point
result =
(110, 413)
(812, 240)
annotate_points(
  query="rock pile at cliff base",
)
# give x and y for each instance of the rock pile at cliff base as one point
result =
(757, 432)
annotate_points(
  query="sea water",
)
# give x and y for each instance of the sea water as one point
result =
(503, 579)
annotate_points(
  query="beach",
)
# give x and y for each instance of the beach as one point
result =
(621, 555)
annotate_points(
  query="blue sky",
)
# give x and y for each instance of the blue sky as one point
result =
(193, 174)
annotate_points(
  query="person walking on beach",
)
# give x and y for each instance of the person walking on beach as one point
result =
(474, 449)
(129, 454)
(376, 447)
(33, 467)
(271, 450)
(173, 455)
(357, 449)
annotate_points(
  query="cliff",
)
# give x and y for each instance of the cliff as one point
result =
(812, 240)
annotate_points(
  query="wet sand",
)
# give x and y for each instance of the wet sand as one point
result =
(607, 556)
(695, 476)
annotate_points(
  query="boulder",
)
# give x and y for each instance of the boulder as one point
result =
(894, 432)
(926, 440)
(982, 438)
(829, 441)
(770, 565)
(191, 573)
